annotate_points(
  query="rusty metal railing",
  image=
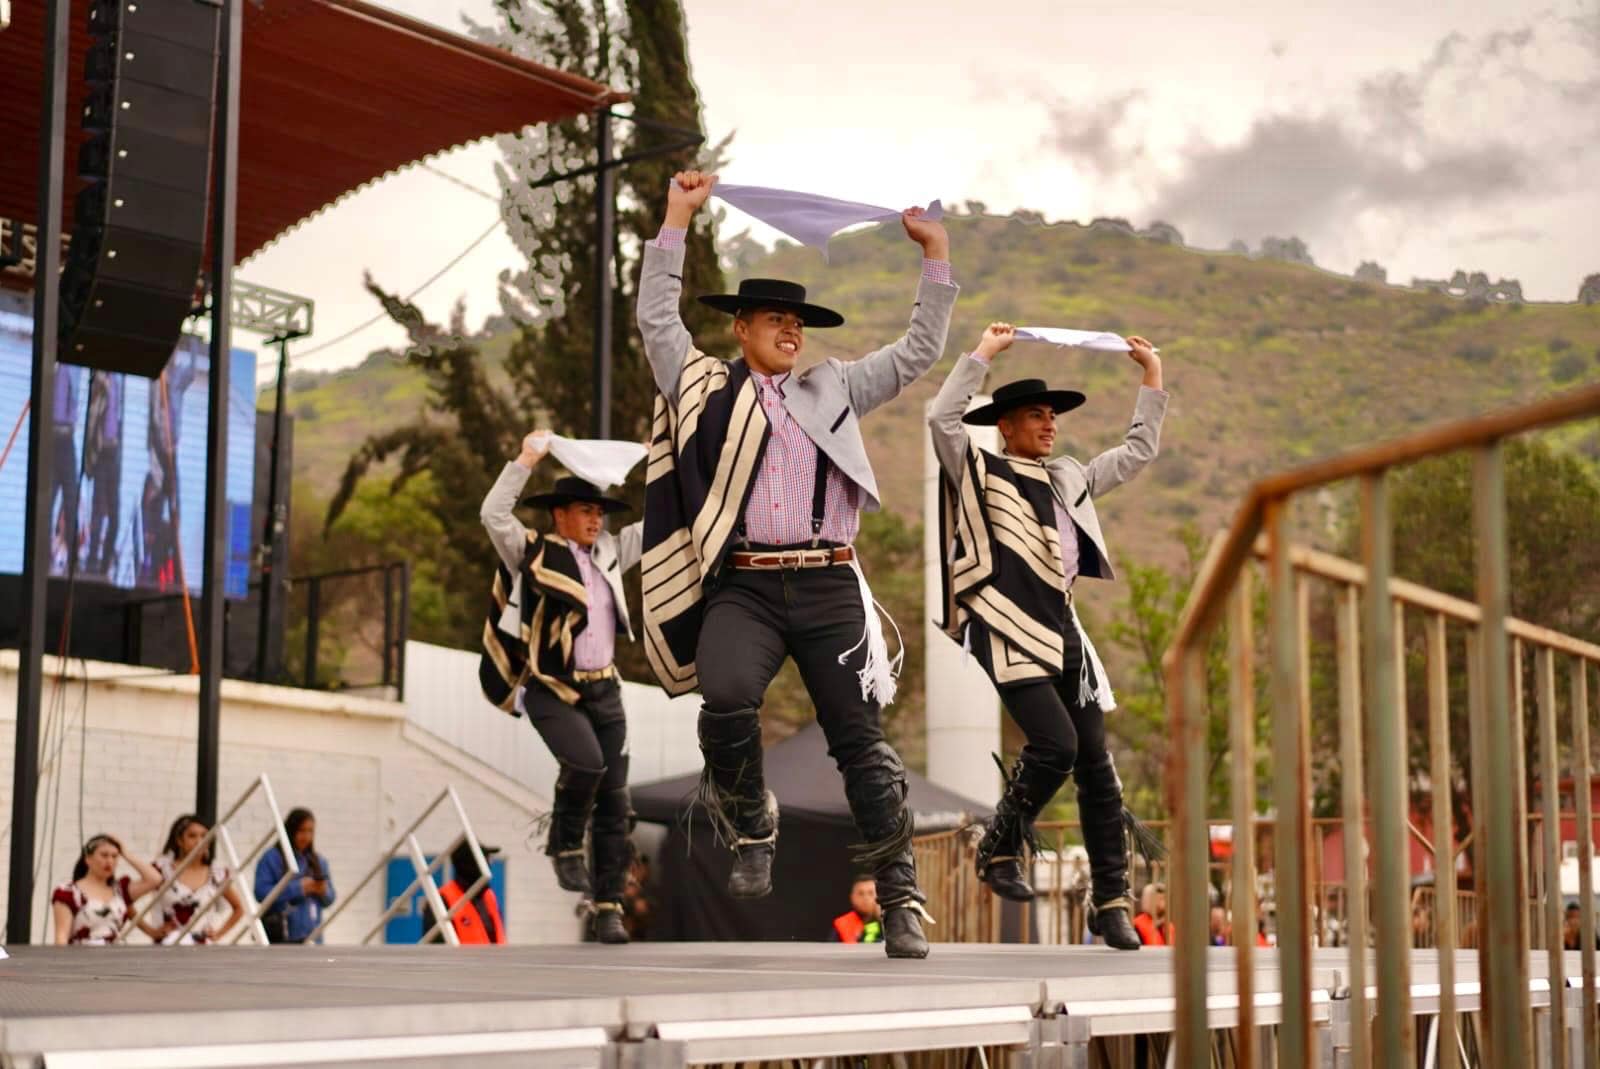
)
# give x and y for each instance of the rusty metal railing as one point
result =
(1371, 617)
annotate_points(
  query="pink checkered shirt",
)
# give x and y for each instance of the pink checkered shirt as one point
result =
(779, 512)
(596, 646)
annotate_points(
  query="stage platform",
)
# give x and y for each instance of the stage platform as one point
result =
(646, 1005)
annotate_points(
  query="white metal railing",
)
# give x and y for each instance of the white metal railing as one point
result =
(218, 834)
(408, 845)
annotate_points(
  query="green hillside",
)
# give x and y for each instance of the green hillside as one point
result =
(335, 411)
(1269, 363)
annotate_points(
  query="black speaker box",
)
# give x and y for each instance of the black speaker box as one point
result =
(134, 265)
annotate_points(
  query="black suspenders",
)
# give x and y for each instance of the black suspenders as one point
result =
(819, 497)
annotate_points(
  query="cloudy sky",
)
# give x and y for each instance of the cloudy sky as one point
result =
(1425, 136)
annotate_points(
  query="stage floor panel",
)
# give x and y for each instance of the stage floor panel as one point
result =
(71, 998)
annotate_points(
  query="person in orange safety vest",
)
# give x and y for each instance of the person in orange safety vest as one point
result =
(478, 922)
(863, 923)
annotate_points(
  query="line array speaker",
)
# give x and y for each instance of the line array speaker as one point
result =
(138, 239)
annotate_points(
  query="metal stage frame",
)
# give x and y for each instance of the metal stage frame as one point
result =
(645, 1006)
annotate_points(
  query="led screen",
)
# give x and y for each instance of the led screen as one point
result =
(127, 493)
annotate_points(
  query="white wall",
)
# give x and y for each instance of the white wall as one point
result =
(443, 697)
(365, 767)
(963, 715)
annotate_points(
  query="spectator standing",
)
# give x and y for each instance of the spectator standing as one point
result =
(478, 922)
(864, 922)
(198, 888)
(1221, 927)
(298, 910)
(1151, 921)
(92, 907)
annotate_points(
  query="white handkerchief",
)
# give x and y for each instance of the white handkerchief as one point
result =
(1077, 339)
(604, 463)
(808, 218)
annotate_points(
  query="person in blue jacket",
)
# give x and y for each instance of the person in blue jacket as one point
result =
(298, 910)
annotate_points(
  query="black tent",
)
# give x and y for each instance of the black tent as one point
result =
(812, 874)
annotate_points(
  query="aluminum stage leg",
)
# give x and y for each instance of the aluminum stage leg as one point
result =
(645, 1054)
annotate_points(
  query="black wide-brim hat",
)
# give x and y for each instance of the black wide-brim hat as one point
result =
(774, 293)
(1022, 392)
(570, 488)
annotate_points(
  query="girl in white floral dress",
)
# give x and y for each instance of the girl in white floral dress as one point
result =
(91, 909)
(200, 887)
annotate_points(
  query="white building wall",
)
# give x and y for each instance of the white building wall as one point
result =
(119, 757)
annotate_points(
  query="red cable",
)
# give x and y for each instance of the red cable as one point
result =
(13, 439)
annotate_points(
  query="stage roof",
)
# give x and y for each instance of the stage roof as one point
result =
(334, 94)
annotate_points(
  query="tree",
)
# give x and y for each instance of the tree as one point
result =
(472, 420)
(1553, 561)
(1142, 629)
(640, 44)
(464, 435)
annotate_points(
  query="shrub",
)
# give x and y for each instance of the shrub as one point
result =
(1568, 367)
(1085, 258)
(1263, 331)
(1558, 345)
(1476, 352)
(1175, 470)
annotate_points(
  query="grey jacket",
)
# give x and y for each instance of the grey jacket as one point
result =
(1076, 485)
(826, 400)
(613, 554)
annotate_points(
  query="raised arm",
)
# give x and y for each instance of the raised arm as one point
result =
(510, 538)
(630, 545)
(149, 877)
(965, 379)
(1140, 445)
(666, 339)
(879, 377)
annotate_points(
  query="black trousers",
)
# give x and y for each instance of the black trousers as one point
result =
(1059, 731)
(1064, 735)
(754, 621)
(590, 737)
(589, 740)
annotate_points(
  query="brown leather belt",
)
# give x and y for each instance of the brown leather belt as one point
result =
(773, 560)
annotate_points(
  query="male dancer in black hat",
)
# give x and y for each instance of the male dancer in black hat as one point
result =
(756, 481)
(1018, 529)
(548, 643)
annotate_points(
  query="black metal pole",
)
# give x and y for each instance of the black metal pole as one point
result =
(36, 530)
(272, 534)
(388, 624)
(224, 172)
(313, 613)
(405, 628)
(605, 211)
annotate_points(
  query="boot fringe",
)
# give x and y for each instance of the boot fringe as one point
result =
(715, 803)
(1145, 840)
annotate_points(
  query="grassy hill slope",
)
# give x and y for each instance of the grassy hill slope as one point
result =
(1269, 364)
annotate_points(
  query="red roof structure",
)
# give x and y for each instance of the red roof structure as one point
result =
(334, 94)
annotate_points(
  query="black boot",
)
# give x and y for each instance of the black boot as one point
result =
(613, 853)
(1100, 810)
(569, 819)
(902, 931)
(608, 926)
(744, 814)
(875, 787)
(1001, 852)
